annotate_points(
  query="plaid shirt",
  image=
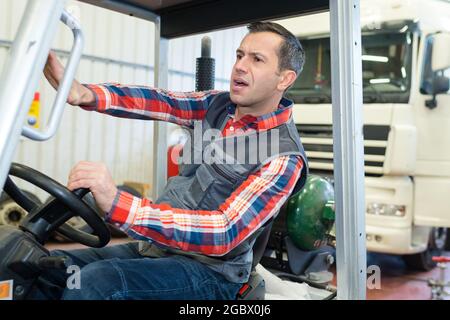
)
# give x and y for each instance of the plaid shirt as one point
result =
(214, 232)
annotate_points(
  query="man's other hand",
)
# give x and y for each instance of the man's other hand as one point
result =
(79, 94)
(96, 177)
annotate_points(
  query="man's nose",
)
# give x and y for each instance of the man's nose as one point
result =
(241, 65)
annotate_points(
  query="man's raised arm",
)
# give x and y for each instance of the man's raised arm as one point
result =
(136, 102)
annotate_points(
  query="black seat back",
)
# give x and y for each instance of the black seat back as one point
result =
(254, 289)
(259, 247)
(260, 244)
(261, 241)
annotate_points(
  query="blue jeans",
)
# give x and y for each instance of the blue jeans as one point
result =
(120, 272)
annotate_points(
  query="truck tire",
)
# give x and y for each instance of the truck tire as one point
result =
(11, 213)
(447, 241)
(423, 261)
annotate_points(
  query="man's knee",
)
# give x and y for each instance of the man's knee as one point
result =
(96, 281)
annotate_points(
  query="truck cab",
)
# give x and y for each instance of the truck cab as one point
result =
(406, 100)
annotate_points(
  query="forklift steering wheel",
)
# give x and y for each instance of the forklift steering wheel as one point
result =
(43, 220)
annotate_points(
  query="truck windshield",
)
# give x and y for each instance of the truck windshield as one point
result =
(386, 70)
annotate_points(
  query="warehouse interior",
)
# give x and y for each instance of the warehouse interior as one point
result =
(367, 218)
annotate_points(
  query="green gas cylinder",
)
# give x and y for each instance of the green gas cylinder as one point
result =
(310, 213)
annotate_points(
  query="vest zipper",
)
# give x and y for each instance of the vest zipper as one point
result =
(223, 173)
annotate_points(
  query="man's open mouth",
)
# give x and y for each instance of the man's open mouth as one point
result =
(240, 83)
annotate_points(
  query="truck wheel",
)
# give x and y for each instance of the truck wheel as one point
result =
(11, 213)
(447, 241)
(423, 260)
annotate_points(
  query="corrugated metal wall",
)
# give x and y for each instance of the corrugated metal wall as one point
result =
(119, 49)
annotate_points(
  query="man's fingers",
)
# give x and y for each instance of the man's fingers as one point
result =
(86, 166)
(51, 55)
(82, 167)
(83, 174)
(96, 177)
(53, 70)
(81, 183)
(88, 170)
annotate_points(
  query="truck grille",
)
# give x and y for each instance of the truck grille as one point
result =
(318, 143)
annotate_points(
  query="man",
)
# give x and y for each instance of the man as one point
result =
(197, 237)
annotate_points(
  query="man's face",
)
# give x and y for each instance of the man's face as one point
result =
(255, 75)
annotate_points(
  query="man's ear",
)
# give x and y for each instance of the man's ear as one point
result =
(287, 78)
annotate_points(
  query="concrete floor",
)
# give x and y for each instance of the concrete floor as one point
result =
(397, 282)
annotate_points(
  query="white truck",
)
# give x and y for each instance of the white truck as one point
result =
(406, 101)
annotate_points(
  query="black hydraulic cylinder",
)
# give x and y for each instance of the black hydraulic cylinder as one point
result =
(205, 69)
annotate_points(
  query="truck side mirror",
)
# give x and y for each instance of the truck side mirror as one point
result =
(441, 84)
(440, 58)
(440, 61)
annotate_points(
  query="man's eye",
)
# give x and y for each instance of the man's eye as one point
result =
(257, 59)
(238, 57)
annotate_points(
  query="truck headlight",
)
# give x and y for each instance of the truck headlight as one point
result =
(383, 209)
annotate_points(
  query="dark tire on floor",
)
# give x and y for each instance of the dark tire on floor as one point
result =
(423, 261)
(10, 212)
(447, 241)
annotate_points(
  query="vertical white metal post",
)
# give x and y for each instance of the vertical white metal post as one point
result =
(160, 81)
(22, 70)
(348, 148)
(160, 128)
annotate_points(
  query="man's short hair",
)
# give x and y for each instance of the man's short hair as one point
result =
(291, 55)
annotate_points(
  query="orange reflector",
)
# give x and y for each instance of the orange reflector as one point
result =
(6, 290)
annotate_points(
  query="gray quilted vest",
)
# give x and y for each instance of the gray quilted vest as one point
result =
(213, 168)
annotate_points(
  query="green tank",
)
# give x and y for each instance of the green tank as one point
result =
(310, 213)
